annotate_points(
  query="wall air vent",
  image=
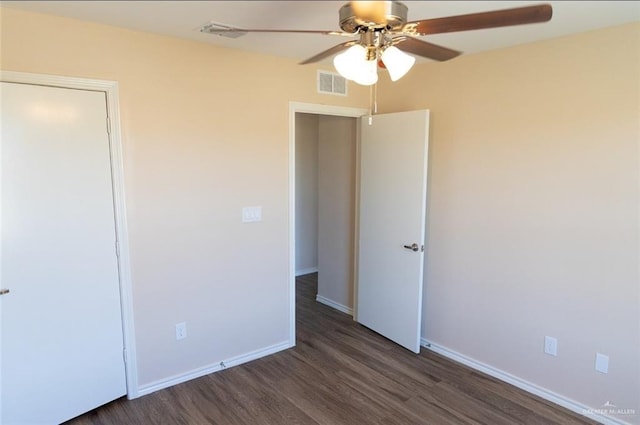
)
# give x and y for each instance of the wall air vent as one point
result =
(331, 83)
(222, 30)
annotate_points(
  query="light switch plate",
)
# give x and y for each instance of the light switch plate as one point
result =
(251, 214)
(602, 363)
(550, 346)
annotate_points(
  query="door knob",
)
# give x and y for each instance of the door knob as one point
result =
(413, 247)
(4, 291)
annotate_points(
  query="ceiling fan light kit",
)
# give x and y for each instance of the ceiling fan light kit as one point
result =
(354, 64)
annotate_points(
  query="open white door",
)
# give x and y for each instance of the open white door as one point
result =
(61, 340)
(393, 190)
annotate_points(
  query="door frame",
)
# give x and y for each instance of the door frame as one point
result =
(317, 109)
(110, 88)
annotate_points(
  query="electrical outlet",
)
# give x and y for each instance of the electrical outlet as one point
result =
(550, 346)
(181, 331)
(602, 363)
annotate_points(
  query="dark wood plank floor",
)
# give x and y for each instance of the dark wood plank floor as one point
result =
(339, 373)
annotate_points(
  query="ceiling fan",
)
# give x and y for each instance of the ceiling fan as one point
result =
(384, 37)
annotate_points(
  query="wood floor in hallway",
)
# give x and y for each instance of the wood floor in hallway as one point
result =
(339, 373)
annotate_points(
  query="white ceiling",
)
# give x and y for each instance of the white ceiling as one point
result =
(183, 19)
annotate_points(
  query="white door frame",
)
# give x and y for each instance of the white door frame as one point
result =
(110, 88)
(308, 108)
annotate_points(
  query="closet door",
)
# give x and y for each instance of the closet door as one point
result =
(61, 340)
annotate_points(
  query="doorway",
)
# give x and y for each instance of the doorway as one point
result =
(389, 216)
(327, 210)
(325, 200)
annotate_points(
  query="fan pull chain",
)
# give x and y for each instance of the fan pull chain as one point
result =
(373, 101)
(370, 105)
(375, 98)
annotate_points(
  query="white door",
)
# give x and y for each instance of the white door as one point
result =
(393, 190)
(61, 340)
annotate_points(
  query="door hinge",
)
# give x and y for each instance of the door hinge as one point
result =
(117, 249)
(124, 355)
(108, 126)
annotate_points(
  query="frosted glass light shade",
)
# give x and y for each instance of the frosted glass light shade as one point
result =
(397, 62)
(348, 62)
(353, 65)
(368, 73)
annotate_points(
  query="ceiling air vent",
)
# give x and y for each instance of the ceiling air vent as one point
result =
(227, 31)
(331, 83)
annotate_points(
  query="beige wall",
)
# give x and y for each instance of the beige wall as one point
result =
(533, 225)
(205, 132)
(306, 152)
(336, 193)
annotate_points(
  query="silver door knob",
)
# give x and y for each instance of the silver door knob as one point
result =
(414, 247)
(4, 291)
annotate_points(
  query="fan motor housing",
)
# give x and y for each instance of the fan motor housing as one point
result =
(395, 16)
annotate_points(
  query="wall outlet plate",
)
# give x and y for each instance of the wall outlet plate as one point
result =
(181, 331)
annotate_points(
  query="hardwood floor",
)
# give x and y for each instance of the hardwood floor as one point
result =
(339, 373)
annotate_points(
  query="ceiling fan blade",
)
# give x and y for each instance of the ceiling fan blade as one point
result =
(236, 32)
(425, 49)
(482, 20)
(332, 51)
(370, 11)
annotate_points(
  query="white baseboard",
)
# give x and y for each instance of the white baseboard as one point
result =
(581, 409)
(197, 373)
(306, 271)
(333, 304)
